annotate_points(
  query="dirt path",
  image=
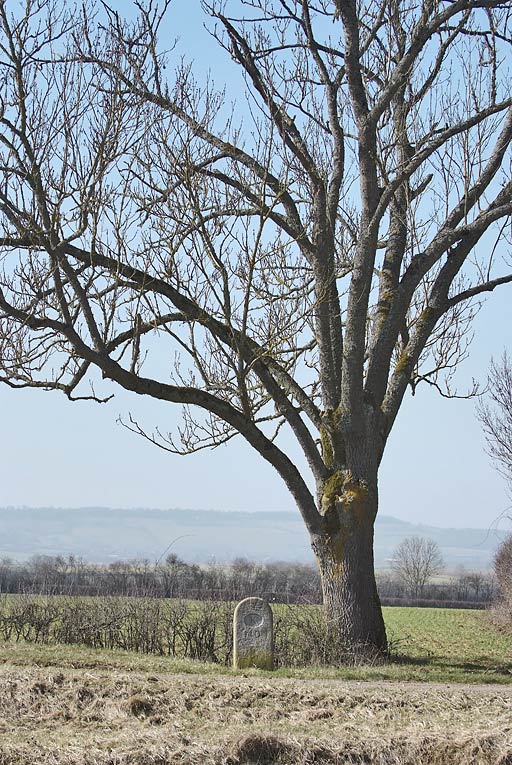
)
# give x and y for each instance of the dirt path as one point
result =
(470, 688)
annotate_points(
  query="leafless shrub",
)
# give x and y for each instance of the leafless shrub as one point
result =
(199, 631)
(304, 637)
(503, 568)
(195, 630)
(172, 619)
(502, 609)
(25, 618)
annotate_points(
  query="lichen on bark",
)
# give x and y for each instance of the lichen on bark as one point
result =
(327, 450)
(344, 488)
(403, 361)
(330, 440)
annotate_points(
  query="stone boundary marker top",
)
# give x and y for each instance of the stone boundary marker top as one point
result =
(253, 635)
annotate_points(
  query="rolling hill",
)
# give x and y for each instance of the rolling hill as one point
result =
(109, 534)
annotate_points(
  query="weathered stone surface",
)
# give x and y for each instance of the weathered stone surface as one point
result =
(253, 635)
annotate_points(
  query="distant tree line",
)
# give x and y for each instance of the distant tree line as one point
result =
(278, 582)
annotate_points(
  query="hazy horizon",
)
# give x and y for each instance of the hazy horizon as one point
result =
(498, 523)
(104, 535)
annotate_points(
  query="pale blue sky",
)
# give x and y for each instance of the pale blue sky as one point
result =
(435, 470)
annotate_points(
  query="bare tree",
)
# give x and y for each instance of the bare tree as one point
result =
(503, 571)
(300, 268)
(495, 415)
(415, 561)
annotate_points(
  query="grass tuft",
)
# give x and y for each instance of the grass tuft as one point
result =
(139, 706)
(258, 749)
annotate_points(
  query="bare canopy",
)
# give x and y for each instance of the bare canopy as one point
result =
(495, 415)
(415, 561)
(300, 265)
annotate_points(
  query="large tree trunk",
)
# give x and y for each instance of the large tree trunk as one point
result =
(344, 551)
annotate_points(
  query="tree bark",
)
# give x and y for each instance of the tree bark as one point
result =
(344, 552)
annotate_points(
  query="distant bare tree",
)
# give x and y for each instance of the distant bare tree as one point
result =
(495, 415)
(300, 266)
(415, 561)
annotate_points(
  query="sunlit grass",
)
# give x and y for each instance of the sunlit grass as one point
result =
(452, 644)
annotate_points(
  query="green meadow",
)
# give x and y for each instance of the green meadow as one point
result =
(426, 644)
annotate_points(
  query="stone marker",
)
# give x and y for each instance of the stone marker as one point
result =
(253, 635)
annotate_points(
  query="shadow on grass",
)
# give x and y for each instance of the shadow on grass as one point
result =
(435, 662)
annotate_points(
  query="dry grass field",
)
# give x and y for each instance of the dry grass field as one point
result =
(62, 716)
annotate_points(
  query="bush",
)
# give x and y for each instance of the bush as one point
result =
(198, 630)
(201, 630)
(502, 611)
(503, 568)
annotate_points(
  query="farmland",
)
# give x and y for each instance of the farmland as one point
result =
(426, 644)
(66, 704)
(140, 714)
